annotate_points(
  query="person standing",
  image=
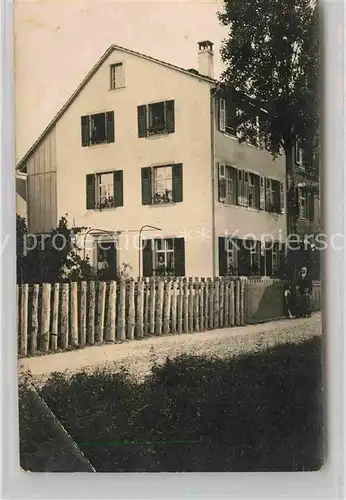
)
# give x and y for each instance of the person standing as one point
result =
(304, 289)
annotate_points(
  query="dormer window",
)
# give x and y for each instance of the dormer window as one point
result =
(117, 76)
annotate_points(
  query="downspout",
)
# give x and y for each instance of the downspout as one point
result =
(213, 185)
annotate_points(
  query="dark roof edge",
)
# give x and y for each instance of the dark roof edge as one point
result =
(86, 80)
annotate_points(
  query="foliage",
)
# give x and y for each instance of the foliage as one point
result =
(259, 411)
(272, 56)
(52, 257)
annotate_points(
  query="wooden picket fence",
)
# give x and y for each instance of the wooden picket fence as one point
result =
(61, 316)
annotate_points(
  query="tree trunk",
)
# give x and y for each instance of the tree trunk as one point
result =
(292, 211)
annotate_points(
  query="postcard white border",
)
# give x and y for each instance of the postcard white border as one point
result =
(327, 483)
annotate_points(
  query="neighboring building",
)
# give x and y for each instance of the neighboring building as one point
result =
(21, 194)
(143, 142)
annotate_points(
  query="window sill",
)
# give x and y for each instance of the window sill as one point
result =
(106, 209)
(117, 88)
(96, 146)
(158, 205)
(250, 209)
(158, 136)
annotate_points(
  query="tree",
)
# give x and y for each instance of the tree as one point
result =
(272, 56)
(52, 257)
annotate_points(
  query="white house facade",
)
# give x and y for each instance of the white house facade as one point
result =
(144, 154)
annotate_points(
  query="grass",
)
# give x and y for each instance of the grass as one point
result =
(259, 411)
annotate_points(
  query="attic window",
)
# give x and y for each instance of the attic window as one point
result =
(117, 76)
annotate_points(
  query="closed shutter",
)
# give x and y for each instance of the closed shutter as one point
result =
(177, 171)
(85, 131)
(146, 186)
(222, 115)
(221, 182)
(90, 191)
(262, 195)
(118, 188)
(282, 197)
(179, 257)
(169, 116)
(222, 256)
(147, 258)
(142, 120)
(269, 260)
(110, 126)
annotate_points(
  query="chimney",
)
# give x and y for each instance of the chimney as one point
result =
(206, 58)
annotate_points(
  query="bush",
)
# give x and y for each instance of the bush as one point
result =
(260, 412)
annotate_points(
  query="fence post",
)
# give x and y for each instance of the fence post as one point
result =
(34, 318)
(231, 303)
(186, 306)
(100, 318)
(226, 303)
(180, 306)
(74, 314)
(174, 307)
(139, 309)
(196, 305)
(209, 305)
(24, 320)
(111, 312)
(152, 305)
(201, 307)
(45, 316)
(216, 302)
(91, 315)
(167, 307)
(83, 302)
(242, 302)
(191, 304)
(146, 306)
(121, 334)
(237, 302)
(55, 316)
(221, 303)
(131, 311)
(64, 315)
(159, 307)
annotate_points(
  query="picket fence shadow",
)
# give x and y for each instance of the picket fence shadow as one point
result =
(62, 316)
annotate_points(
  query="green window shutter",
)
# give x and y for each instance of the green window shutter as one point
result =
(169, 116)
(177, 171)
(110, 126)
(142, 120)
(90, 191)
(222, 256)
(147, 258)
(146, 186)
(118, 188)
(85, 130)
(179, 256)
(262, 193)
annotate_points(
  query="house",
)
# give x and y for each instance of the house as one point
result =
(146, 155)
(21, 194)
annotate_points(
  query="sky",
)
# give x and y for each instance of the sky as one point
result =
(58, 42)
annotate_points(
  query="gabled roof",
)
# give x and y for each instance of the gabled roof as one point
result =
(88, 77)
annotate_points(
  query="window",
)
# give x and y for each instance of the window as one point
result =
(117, 76)
(253, 131)
(227, 184)
(97, 129)
(255, 252)
(104, 190)
(272, 258)
(273, 195)
(231, 257)
(302, 203)
(298, 155)
(162, 184)
(156, 119)
(253, 191)
(164, 257)
(106, 257)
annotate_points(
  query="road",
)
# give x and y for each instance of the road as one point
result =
(138, 356)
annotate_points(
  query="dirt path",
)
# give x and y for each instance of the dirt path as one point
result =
(138, 356)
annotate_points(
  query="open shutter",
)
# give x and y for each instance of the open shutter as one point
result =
(147, 258)
(142, 120)
(179, 256)
(146, 186)
(269, 260)
(177, 171)
(85, 131)
(221, 182)
(311, 206)
(262, 259)
(169, 116)
(276, 193)
(118, 188)
(246, 189)
(262, 194)
(222, 115)
(297, 202)
(90, 191)
(222, 256)
(110, 126)
(282, 197)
